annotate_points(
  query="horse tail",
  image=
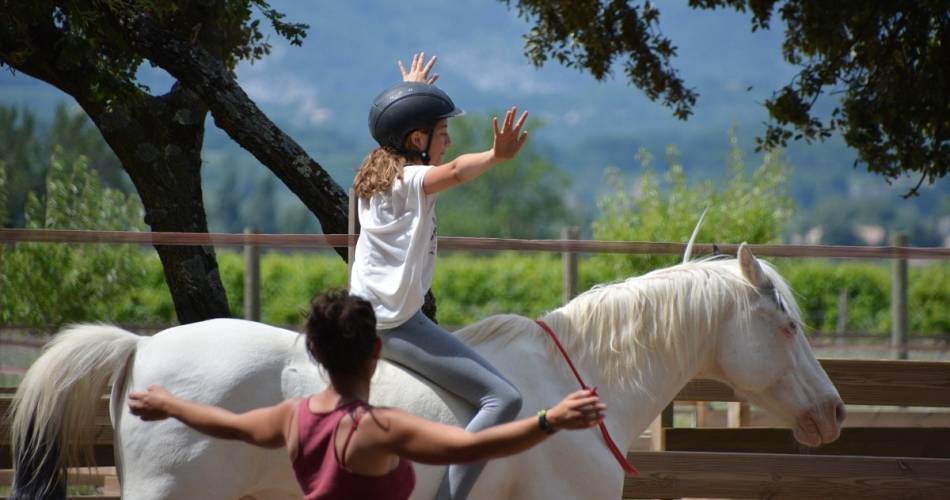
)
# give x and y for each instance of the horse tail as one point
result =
(55, 405)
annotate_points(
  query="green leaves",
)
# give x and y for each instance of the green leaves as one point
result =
(884, 63)
(48, 285)
(818, 284)
(3, 198)
(591, 35)
(293, 32)
(93, 37)
(888, 63)
(752, 208)
(471, 287)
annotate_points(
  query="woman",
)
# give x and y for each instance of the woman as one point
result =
(397, 186)
(339, 445)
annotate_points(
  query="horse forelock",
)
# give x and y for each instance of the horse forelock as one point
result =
(620, 327)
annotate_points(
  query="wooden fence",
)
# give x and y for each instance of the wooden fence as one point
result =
(881, 462)
(878, 462)
(865, 462)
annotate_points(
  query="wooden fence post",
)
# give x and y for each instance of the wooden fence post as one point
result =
(700, 408)
(657, 437)
(738, 414)
(899, 301)
(252, 280)
(569, 264)
(842, 324)
(353, 227)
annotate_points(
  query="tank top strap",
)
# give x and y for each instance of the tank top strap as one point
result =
(356, 415)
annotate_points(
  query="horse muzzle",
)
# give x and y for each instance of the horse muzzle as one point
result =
(821, 424)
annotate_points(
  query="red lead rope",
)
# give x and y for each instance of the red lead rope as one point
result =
(622, 460)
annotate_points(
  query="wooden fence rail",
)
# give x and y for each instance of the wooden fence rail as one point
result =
(860, 382)
(674, 474)
(326, 241)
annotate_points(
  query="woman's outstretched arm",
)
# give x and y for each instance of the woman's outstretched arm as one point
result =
(428, 442)
(264, 427)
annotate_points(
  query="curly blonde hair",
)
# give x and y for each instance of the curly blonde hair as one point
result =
(378, 171)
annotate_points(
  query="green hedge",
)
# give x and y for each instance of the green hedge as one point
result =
(472, 286)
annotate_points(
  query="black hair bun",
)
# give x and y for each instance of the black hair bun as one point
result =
(341, 332)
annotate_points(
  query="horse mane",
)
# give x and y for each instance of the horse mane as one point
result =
(620, 327)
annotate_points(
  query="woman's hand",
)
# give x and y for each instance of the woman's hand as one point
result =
(579, 410)
(417, 72)
(510, 138)
(151, 404)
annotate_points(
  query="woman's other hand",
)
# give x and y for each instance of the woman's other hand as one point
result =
(510, 138)
(579, 410)
(151, 404)
(417, 71)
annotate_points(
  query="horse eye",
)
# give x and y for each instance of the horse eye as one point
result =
(790, 330)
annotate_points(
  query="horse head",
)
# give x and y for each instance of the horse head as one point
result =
(763, 354)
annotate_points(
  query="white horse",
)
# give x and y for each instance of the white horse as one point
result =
(639, 340)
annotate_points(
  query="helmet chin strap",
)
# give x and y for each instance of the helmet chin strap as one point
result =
(424, 155)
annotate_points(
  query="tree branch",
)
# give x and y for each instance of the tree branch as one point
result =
(236, 114)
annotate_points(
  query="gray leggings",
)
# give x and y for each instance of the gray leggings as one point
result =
(421, 346)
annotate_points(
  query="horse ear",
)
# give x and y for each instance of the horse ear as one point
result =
(751, 268)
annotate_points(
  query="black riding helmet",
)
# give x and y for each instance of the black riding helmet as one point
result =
(405, 107)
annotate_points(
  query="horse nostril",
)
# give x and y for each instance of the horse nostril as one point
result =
(840, 413)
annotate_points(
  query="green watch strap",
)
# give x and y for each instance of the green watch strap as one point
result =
(543, 422)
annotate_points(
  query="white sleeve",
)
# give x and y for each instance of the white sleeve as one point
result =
(414, 177)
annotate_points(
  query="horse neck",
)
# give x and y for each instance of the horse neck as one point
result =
(660, 371)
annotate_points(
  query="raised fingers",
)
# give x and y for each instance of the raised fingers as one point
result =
(509, 123)
(520, 123)
(509, 118)
(428, 66)
(418, 69)
(417, 60)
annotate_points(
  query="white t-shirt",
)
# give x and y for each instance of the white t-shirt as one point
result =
(395, 253)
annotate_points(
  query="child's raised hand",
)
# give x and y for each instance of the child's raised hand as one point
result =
(510, 138)
(417, 72)
(150, 405)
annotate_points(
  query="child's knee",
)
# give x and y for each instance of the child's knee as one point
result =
(510, 402)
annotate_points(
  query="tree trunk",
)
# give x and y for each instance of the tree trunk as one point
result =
(158, 140)
(159, 144)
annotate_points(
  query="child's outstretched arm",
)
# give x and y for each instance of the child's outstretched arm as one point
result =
(264, 427)
(417, 71)
(507, 143)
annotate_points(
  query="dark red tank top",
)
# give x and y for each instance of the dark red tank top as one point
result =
(320, 473)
